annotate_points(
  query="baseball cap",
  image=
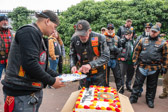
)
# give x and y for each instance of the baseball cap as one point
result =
(48, 14)
(3, 17)
(82, 27)
(155, 28)
(148, 25)
(129, 31)
(110, 25)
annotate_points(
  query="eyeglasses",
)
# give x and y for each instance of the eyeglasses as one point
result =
(103, 30)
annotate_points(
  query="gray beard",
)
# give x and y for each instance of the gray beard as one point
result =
(5, 27)
(110, 33)
(147, 33)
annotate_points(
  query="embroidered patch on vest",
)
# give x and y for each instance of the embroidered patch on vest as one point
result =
(43, 57)
(94, 41)
(36, 84)
(96, 51)
(21, 72)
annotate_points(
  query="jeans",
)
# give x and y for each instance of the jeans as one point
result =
(146, 72)
(53, 64)
(2, 66)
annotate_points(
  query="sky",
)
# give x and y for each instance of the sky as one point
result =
(39, 4)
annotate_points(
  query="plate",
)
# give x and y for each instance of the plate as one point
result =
(72, 77)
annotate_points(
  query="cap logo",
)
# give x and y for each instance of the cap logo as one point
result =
(154, 27)
(80, 26)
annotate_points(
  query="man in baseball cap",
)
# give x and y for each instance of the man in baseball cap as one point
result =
(85, 54)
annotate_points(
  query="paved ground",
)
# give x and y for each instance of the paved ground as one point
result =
(54, 99)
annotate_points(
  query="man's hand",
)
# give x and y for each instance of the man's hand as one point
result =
(58, 83)
(73, 69)
(85, 68)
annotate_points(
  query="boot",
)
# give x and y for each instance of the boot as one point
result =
(150, 104)
(164, 94)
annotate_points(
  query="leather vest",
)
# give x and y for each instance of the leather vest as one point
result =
(127, 51)
(124, 29)
(151, 52)
(85, 52)
(112, 42)
(15, 74)
(57, 47)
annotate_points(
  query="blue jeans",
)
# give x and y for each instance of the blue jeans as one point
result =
(146, 72)
(112, 63)
(2, 66)
(53, 64)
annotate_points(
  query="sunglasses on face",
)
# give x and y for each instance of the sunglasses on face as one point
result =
(110, 28)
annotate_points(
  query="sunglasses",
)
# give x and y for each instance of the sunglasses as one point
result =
(110, 28)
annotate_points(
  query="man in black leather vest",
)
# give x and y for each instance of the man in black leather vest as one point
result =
(113, 41)
(145, 34)
(125, 27)
(89, 52)
(27, 71)
(150, 55)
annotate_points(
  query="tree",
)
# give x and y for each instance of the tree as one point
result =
(99, 14)
(20, 16)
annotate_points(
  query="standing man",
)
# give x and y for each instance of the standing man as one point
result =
(151, 53)
(164, 94)
(113, 43)
(125, 27)
(127, 67)
(27, 71)
(5, 42)
(89, 51)
(145, 34)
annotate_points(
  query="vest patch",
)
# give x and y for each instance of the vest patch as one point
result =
(94, 41)
(43, 57)
(36, 84)
(21, 72)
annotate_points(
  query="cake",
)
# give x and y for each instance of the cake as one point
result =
(98, 99)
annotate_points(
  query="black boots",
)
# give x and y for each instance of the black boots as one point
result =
(132, 100)
(150, 104)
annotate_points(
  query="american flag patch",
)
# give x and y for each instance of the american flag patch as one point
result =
(94, 38)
